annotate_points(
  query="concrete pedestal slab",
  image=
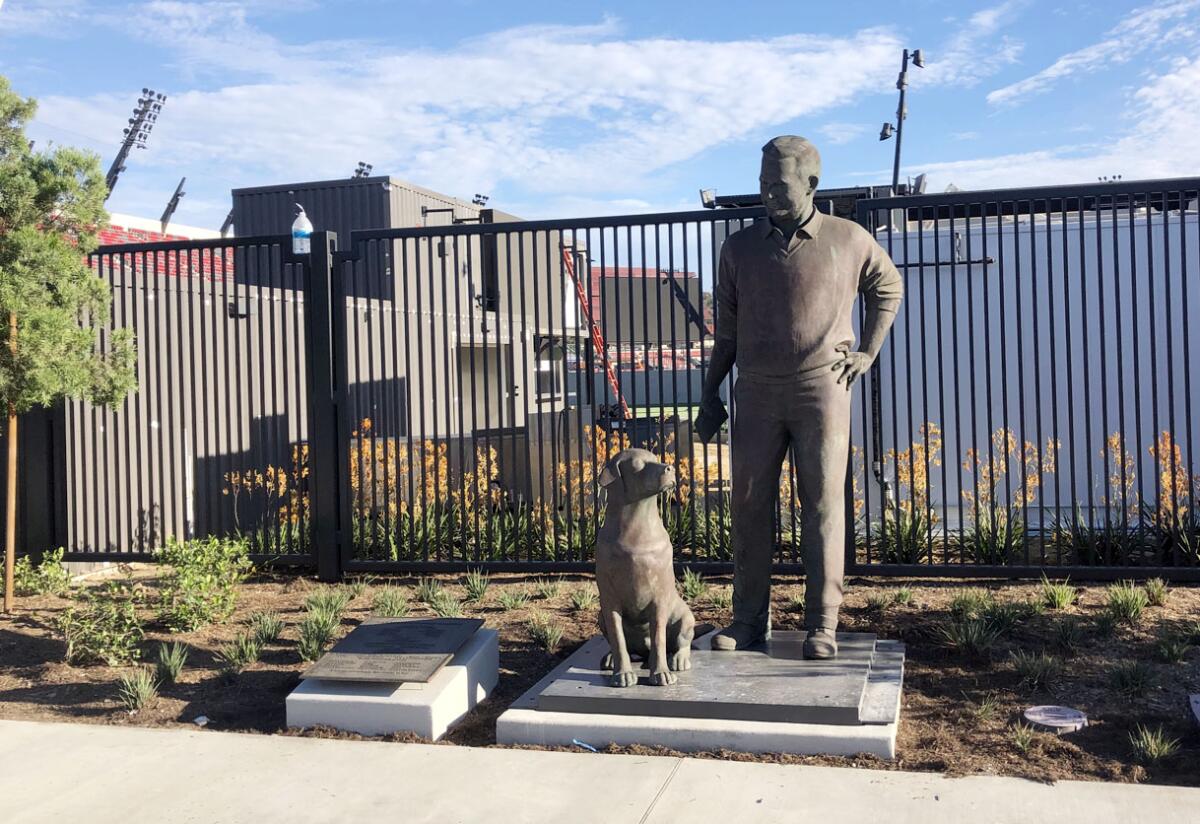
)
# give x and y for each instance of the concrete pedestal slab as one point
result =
(427, 709)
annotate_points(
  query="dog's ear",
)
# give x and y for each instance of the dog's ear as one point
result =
(630, 468)
(611, 474)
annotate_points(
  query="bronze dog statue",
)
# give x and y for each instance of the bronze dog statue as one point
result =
(641, 612)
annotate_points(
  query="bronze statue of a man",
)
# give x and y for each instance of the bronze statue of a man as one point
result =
(785, 295)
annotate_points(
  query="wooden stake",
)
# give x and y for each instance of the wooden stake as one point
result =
(10, 525)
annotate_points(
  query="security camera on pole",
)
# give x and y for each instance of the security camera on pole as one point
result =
(918, 59)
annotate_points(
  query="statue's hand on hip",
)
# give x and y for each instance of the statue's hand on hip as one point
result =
(851, 366)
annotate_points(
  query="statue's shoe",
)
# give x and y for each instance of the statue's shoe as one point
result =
(737, 636)
(821, 644)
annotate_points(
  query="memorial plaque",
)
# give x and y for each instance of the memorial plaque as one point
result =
(394, 650)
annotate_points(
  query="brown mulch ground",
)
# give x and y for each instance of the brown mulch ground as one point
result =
(942, 728)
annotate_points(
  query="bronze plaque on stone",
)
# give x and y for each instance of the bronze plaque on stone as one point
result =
(394, 650)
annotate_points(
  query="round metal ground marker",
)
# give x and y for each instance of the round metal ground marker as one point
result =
(1056, 719)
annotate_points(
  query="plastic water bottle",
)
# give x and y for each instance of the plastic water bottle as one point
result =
(301, 233)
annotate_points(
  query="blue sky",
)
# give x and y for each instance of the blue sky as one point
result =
(564, 109)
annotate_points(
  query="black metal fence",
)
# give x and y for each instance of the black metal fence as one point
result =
(446, 396)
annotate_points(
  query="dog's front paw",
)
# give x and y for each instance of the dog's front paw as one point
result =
(607, 662)
(624, 678)
(663, 678)
(680, 661)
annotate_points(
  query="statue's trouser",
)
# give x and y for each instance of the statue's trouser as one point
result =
(812, 417)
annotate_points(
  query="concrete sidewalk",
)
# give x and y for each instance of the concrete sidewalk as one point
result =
(98, 774)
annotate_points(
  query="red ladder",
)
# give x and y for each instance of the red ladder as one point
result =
(597, 336)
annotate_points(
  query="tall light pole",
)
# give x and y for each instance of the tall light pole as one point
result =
(918, 60)
(145, 114)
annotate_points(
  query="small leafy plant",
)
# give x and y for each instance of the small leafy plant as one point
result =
(171, 660)
(878, 601)
(693, 586)
(328, 600)
(267, 627)
(548, 588)
(390, 602)
(584, 598)
(202, 587)
(102, 626)
(721, 598)
(138, 689)
(49, 577)
(985, 708)
(545, 632)
(1057, 595)
(316, 631)
(239, 653)
(513, 598)
(1038, 671)
(902, 596)
(1157, 592)
(1132, 678)
(446, 606)
(476, 584)
(357, 588)
(428, 589)
(1126, 602)
(969, 603)
(971, 636)
(1023, 737)
(1152, 745)
(1068, 635)
(1172, 648)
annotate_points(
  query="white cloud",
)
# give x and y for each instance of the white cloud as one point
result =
(46, 18)
(547, 110)
(977, 50)
(1163, 140)
(838, 133)
(1147, 28)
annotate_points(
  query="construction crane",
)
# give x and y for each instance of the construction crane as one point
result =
(568, 258)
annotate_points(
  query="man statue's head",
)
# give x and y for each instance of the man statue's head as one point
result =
(791, 168)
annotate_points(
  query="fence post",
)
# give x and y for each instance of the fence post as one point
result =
(325, 473)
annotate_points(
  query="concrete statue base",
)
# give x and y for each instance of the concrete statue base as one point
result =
(764, 699)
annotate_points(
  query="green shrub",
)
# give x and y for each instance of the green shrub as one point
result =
(1152, 745)
(1192, 632)
(970, 636)
(239, 653)
(330, 600)
(171, 659)
(721, 598)
(390, 602)
(138, 689)
(1106, 624)
(902, 596)
(1037, 671)
(545, 632)
(446, 606)
(878, 601)
(316, 631)
(1057, 594)
(986, 708)
(202, 587)
(584, 598)
(796, 603)
(102, 626)
(1132, 678)
(1068, 635)
(1023, 736)
(548, 588)
(476, 584)
(1126, 602)
(267, 627)
(1157, 592)
(999, 535)
(1108, 543)
(968, 603)
(513, 598)
(905, 536)
(428, 589)
(1172, 648)
(49, 577)
(1006, 615)
(693, 586)
(357, 588)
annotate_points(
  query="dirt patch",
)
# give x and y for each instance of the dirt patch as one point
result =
(957, 717)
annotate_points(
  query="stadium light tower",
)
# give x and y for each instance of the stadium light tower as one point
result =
(897, 129)
(145, 115)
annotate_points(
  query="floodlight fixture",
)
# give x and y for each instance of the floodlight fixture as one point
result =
(145, 115)
(708, 198)
(886, 131)
(918, 58)
(480, 200)
(363, 170)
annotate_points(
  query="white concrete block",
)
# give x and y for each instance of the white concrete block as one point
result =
(425, 709)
